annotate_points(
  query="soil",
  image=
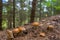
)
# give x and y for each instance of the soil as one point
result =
(33, 33)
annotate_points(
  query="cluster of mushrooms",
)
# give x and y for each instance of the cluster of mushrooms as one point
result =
(21, 29)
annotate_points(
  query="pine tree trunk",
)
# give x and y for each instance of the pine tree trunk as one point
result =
(9, 15)
(21, 13)
(0, 14)
(9, 18)
(40, 10)
(33, 11)
(14, 13)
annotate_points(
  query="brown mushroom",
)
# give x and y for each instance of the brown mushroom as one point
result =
(50, 27)
(21, 28)
(35, 24)
(16, 30)
(9, 35)
(42, 34)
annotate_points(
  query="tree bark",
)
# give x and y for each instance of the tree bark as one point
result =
(14, 13)
(33, 11)
(10, 15)
(0, 14)
(40, 10)
(21, 12)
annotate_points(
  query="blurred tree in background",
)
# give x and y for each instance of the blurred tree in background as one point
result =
(0, 14)
(14, 13)
(34, 2)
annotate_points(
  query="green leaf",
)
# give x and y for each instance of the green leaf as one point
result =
(57, 7)
(48, 4)
(54, 0)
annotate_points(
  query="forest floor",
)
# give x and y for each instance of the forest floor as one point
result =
(33, 34)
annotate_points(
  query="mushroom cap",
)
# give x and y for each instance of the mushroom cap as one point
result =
(8, 31)
(21, 28)
(51, 26)
(42, 34)
(9, 34)
(16, 30)
(35, 24)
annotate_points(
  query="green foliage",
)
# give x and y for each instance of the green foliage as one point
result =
(48, 4)
(57, 7)
(4, 24)
(54, 0)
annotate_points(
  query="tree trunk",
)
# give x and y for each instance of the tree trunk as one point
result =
(10, 14)
(33, 11)
(14, 13)
(9, 18)
(0, 14)
(40, 10)
(21, 12)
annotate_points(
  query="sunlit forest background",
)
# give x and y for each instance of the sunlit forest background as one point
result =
(14, 13)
